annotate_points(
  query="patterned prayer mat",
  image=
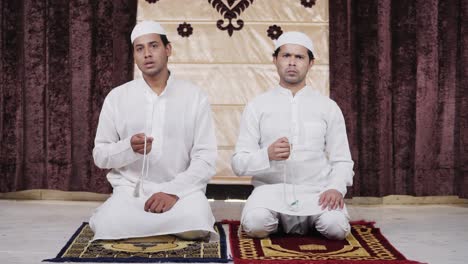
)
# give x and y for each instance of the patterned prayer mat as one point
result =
(365, 245)
(147, 249)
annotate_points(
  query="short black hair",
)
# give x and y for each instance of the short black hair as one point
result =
(311, 55)
(164, 40)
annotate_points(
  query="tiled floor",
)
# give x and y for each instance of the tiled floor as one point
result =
(438, 234)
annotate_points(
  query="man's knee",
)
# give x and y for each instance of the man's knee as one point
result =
(96, 218)
(193, 235)
(333, 225)
(260, 222)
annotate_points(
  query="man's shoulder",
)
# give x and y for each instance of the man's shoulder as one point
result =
(188, 88)
(321, 99)
(263, 97)
(179, 81)
(187, 85)
(121, 89)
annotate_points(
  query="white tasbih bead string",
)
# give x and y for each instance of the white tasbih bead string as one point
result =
(139, 186)
(287, 168)
(139, 190)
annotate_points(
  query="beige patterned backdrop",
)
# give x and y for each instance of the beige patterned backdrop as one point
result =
(233, 69)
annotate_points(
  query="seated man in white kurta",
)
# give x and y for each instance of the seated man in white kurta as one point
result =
(161, 190)
(293, 142)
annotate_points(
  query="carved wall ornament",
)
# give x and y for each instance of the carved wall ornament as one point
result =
(230, 12)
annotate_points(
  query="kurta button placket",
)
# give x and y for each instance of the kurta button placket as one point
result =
(294, 130)
(148, 113)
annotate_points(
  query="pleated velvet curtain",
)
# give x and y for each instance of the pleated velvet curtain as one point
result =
(58, 61)
(398, 69)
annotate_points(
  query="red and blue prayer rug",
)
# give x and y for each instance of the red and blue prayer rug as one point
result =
(364, 245)
(147, 249)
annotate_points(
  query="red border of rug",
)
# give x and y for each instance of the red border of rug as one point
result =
(384, 240)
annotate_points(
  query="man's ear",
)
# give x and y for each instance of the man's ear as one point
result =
(168, 49)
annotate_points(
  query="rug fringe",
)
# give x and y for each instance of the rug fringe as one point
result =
(226, 221)
(362, 222)
(244, 261)
(356, 222)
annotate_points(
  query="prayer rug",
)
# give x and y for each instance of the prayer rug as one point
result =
(166, 248)
(364, 245)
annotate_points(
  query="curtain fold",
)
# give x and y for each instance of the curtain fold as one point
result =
(58, 61)
(398, 70)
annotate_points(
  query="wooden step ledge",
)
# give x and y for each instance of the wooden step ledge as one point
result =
(237, 193)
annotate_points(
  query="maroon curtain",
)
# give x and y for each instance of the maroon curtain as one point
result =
(58, 61)
(398, 70)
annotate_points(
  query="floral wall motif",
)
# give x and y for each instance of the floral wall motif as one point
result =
(274, 32)
(308, 3)
(185, 30)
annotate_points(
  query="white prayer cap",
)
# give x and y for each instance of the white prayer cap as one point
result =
(147, 27)
(294, 37)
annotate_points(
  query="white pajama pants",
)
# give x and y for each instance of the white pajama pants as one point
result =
(261, 222)
(123, 216)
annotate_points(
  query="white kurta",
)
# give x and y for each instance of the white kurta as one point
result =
(320, 159)
(181, 162)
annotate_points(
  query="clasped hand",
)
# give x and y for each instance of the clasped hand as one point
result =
(279, 150)
(138, 143)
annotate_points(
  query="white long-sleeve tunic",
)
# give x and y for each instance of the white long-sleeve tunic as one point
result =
(181, 162)
(320, 158)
